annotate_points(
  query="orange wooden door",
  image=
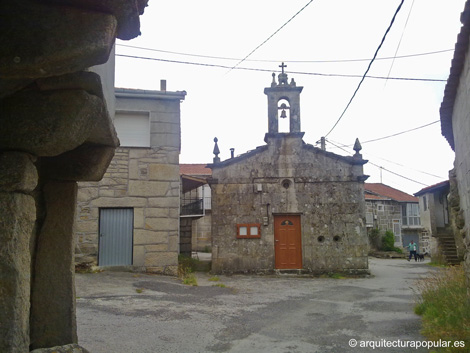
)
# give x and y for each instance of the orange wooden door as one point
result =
(287, 242)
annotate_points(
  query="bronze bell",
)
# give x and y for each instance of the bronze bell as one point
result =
(283, 114)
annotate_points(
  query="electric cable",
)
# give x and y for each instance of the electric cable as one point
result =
(396, 134)
(290, 72)
(401, 37)
(375, 165)
(288, 61)
(272, 35)
(368, 68)
(389, 161)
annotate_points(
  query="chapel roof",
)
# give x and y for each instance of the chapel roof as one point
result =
(260, 149)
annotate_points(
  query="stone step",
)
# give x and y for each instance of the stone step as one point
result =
(447, 239)
(448, 246)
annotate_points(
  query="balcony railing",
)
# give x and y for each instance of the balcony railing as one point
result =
(192, 207)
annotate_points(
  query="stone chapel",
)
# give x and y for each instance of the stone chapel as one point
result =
(288, 205)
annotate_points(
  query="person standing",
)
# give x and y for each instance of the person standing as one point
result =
(412, 247)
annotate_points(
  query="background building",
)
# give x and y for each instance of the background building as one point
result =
(389, 209)
(131, 216)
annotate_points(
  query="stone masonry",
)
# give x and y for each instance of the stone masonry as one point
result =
(145, 179)
(289, 178)
(455, 118)
(55, 131)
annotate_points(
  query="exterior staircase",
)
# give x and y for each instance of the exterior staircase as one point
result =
(447, 244)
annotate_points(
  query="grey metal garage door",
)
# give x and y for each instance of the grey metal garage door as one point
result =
(115, 243)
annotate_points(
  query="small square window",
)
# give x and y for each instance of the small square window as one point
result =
(245, 231)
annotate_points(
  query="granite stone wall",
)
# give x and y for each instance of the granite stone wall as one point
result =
(461, 135)
(145, 179)
(325, 189)
(55, 131)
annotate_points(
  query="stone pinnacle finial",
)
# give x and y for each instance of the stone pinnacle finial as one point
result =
(216, 151)
(357, 147)
(274, 84)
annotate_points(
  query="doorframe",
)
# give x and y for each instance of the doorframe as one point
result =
(279, 215)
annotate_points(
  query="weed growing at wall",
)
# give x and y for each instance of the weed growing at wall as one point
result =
(444, 306)
(186, 268)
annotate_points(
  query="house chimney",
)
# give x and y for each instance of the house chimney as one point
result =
(232, 150)
(163, 85)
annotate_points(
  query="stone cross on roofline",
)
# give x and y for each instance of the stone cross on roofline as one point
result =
(282, 76)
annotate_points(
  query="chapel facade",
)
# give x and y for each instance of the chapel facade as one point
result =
(288, 205)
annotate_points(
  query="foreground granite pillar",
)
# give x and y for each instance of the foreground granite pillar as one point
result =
(18, 177)
(53, 109)
(53, 289)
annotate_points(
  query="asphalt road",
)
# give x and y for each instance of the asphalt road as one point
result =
(119, 312)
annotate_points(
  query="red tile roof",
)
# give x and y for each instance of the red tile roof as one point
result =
(377, 191)
(195, 169)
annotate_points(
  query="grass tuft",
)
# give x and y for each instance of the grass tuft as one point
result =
(214, 279)
(336, 276)
(190, 279)
(186, 268)
(444, 305)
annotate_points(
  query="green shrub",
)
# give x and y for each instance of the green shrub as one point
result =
(374, 233)
(444, 305)
(388, 241)
(374, 238)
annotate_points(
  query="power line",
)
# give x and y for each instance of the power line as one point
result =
(389, 161)
(339, 145)
(290, 72)
(289, 61)
(272, 35)
(399, 133)
(401, 37)
(403, 166)
(368, 68)
(375, 165)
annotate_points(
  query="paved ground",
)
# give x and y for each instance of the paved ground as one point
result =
(120, 312)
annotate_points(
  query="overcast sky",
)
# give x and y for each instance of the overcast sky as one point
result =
(327, 37)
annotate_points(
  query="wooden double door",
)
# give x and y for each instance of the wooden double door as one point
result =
(287, 242)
